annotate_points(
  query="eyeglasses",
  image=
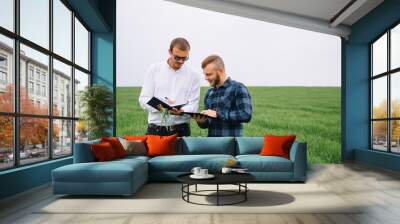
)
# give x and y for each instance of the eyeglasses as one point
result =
(177, 58)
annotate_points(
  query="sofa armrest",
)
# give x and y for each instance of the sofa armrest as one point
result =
(298, 155)
(83, 152)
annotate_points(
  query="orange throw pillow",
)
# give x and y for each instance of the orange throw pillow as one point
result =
(116, 145)
(103, 151)
(161, 145)
(135, 137)
(277, 145)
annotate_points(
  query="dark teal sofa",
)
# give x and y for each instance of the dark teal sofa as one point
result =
(125, 176)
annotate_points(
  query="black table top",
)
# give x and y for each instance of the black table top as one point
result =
(220, 178)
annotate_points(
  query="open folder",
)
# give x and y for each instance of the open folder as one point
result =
(154, 102)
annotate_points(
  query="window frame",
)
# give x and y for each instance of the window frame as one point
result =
(16, 114)
(388, 74)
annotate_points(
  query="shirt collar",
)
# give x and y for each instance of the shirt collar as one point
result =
(227, 83)
(169, 67)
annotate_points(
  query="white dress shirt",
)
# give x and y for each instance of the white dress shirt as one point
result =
(182, 85)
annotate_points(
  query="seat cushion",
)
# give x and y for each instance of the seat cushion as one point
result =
(185, 163)
(111, 171)
(257, 163)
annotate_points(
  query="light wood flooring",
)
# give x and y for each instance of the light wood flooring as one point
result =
(377, 188)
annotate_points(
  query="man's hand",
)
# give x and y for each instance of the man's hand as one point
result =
(210, 113)
(200, 119)
(175, 111)
(160, 107)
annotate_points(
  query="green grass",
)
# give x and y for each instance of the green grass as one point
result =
(311, 113)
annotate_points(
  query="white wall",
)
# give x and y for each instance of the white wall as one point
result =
(255, 52)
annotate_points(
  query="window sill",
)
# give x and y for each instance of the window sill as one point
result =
(25, 167)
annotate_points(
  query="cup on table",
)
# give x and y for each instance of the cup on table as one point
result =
(196, 171)
(203, 172)
(226, 170)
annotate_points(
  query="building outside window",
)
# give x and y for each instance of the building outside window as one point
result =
(34, 75)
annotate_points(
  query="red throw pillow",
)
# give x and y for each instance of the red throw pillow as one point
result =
(277, 145)
(116, 145)
(161, 145)
(103, 151)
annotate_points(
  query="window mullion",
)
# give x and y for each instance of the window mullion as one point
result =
(50, 81)
(73, 82)
(16, 84)
(389, 101)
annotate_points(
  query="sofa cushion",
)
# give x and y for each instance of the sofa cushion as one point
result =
(116, 145)
(134, 147)
(161, 145)
(185, 163)
(275, 145)
(207, 145)
(257, 163)
(249, 145)
(103, 152)
(111, 171)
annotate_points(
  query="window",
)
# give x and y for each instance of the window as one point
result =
(62, 74)
(6, 142)
(385, 91)
(37, 75)
(44, 91)
(3, 61)
(81, 81)
(34, 21)
(3, 78)
(62, 137)
(62, 29)
(33, 140)
(30, 87)
(30, 72)
(46, 75)
(6, 74)
(7, 14)
(81, 45)
(37, 89)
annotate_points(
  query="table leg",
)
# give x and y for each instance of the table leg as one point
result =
(246, 190)
(217, 194)
(196, 187)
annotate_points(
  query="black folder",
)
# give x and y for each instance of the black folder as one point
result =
(154, 102)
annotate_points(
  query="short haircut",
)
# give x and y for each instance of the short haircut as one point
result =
(213, 59)
(180, 43)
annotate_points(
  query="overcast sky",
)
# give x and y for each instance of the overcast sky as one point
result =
(256, 53)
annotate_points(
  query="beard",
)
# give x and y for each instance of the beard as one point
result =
(216, 81)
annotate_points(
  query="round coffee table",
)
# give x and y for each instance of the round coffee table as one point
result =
(238, 179)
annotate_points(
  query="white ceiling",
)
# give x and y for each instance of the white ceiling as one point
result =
(316, 15)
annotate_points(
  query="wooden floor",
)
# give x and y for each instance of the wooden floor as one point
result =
(377, 188)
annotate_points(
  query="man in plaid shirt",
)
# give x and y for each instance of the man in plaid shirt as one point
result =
(227, 102)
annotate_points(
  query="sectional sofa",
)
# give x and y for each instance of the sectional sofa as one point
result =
(125, 176)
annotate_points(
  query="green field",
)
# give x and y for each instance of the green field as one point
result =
(311, 113)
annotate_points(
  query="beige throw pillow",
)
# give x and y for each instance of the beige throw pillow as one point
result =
(136, 147)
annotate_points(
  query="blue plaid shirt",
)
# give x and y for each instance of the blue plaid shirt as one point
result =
(232, 102)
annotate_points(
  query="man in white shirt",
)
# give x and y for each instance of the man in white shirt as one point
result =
(175, 83)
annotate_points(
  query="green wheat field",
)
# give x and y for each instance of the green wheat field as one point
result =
(311, 113)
